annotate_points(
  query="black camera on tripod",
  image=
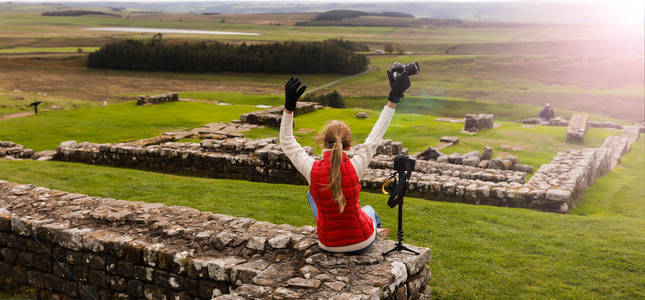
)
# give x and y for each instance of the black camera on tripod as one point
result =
(398, 181)
(398, 185)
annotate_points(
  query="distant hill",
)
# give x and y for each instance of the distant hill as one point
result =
(361, 18)
(539, 11)
(76, 13)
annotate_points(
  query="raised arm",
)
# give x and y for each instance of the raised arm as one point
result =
(361, 159)
(300, 159)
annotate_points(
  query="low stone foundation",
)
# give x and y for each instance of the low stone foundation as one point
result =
(577, 128)
(132, 250)
(558, 121)
(452, 170)
(157, 99)
(273, 116)
(555, 187)
(477, 122)
(10, 150)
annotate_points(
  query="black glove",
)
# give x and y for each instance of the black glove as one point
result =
(398, 86)
(292, 93)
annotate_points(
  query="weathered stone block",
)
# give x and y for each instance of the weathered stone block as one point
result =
(577, 128)
(477, 122)
(220, 269)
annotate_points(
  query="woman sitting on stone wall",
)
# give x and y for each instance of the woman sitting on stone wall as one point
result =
(334, 181)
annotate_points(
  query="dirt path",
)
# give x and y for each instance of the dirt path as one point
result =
(16, 115)
(326, 85)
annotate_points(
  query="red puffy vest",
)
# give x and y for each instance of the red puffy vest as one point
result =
(336, 229)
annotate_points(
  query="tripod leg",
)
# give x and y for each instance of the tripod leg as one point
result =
(389, 251)
(408, 249)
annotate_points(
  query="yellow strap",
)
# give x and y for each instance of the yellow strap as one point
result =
(384, 184)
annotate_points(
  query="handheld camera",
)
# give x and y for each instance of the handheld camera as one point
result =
(398, 68)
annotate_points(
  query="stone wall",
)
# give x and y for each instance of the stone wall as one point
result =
(237, 158)
(558, 121)
(132, 250)
(477, 122)
(10, 150)
(157, 99)
(577, 128)
(452, 170)
(555, 187)
(273, 116)
(477, 159)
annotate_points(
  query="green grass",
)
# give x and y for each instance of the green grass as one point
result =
(598, 251)
(621, 193)
(236, 98)
(47, 49)
(14, 104)
(126, 122)
(458, 107)
(113, 123)
(435, 106)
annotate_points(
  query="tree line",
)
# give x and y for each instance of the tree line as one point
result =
(335, 15)
(329, 56)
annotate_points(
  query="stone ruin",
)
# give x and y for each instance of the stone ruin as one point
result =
(558, 121)
(157, 99)
(577, 128)
(262, 160)
(10, 150)
(234, 129)
(362, 115)
(133, 250)
(477, 122)
(478, 159)
(555, 187)
(273, 116)
(473, 177)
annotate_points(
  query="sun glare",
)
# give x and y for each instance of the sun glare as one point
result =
(629, 14)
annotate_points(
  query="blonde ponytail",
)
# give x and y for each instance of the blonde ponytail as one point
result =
(335, 176)
(336, 136)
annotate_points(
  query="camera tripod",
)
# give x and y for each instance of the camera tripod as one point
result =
(401, 186)
(399, 235)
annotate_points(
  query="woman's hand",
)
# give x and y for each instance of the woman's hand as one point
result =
(292, 92)
(398, 86)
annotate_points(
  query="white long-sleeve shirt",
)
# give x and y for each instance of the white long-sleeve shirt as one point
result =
(361, 160)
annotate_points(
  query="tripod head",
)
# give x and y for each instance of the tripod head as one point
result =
(404, 166)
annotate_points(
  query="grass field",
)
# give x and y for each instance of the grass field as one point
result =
(47, 50)
(579, 68)
(597, 251)
(113, 123)
(18, 102)
(516, 81)
(435, 106)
